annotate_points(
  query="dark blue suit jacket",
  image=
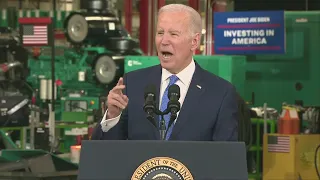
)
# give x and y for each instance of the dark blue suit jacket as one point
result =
(207, 114)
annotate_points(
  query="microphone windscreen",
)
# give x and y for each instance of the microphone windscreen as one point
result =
(150, 89)
(174, 89)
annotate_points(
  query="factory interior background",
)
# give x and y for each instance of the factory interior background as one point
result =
(91, 43)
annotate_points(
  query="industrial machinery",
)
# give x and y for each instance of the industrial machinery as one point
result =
(13, 60)
(290, 156)
(92, 65)
(292, 153)
(86, 68)
(13, 102)
(83, 76)
(84, 71)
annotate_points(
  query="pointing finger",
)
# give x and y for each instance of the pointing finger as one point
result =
(118, 89)
(120, 82)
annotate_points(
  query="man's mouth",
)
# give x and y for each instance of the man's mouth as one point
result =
(166, 54)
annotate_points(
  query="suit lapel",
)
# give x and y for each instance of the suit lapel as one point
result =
(191, 101)
(155, 79)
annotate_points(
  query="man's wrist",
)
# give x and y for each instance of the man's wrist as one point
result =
(111, 116)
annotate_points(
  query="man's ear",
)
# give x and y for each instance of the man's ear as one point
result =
(195, 41)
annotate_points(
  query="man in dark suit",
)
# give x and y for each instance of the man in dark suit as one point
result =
(209, 109)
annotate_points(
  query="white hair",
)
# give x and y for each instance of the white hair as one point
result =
(195, 18)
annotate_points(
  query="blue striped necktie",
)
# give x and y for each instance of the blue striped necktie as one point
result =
(164, 104)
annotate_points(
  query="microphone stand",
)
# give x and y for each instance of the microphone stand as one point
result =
(162, 123)
(162, 127)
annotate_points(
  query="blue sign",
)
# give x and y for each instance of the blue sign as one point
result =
(259, 32)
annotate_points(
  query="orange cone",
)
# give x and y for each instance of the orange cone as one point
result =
(289, 122)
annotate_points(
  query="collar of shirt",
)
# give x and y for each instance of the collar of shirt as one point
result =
(184, 76)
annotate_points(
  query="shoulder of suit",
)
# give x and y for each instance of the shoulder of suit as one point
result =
(216, 81)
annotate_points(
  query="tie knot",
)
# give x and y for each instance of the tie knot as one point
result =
(173, 79)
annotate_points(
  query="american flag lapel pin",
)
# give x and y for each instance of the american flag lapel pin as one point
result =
(198, 86)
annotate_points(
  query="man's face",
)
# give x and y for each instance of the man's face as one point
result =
(174, 42)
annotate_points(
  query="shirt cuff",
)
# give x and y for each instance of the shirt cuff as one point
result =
(107, 124)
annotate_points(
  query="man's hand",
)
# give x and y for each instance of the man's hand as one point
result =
(116, 101)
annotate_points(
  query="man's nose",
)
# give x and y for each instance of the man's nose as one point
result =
(165, 40)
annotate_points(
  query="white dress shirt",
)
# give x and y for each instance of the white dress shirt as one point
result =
(185, 77)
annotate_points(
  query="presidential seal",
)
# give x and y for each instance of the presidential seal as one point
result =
(162, 168)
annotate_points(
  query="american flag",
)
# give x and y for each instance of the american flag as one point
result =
(279, 144)
(35, 34)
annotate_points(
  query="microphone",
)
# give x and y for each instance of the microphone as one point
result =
(173, 104)
(149, 104)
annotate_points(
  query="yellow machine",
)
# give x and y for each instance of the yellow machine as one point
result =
(290, 157)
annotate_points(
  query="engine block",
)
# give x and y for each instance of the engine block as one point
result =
(79, 73)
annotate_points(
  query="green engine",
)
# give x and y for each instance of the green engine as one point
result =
(84, 71)
(70, 97)
(82, 76)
